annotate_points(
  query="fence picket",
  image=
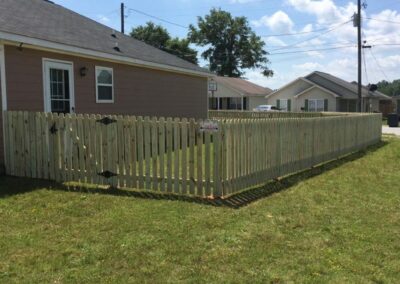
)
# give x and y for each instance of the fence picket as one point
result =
(161, 149)
(154, 152)
(169, 134)
(184, 143)
(192, 138)
(177, 148)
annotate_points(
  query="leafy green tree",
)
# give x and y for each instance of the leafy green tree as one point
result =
(389, 88)
(180, 48)
(231, 44)
(159, 37)
(152, 34)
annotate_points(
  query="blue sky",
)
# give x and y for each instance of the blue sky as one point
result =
(317, 24)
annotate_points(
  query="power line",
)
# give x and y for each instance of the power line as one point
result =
(313, 45)
(387, 44)
(385, 21)
(309, 50)
(365, 66)
(293, 34)
(314, 37)
(157, 18)
(379, 66)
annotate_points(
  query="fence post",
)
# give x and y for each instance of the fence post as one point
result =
(218, 156)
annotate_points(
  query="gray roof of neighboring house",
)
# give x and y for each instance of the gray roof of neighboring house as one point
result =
(243, 86)
(41, 19)
(341, 87)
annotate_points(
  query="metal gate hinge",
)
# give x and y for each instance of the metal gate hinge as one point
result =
(106, 120)
(107, 174)
(53, 129)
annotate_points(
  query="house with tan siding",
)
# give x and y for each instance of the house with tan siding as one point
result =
(321, 91)
(55, 60)
(236, 94)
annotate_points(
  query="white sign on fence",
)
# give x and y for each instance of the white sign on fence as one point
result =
(209, 125)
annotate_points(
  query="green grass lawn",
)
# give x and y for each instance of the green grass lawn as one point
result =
(338, 223)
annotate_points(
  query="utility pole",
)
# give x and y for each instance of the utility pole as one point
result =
(122, 18)
(359, 56)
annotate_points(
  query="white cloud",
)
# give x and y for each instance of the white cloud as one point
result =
(103, 19)
(325, 10)
(279, 22)
(308, 66)
(273, 41)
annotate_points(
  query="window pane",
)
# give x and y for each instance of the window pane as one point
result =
(60, 106)
(320, 105)
(105, 93)
(104, 77)
(283, 105)
(66, 84)
(311, 105)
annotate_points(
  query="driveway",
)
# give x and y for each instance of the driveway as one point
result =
(391, 130)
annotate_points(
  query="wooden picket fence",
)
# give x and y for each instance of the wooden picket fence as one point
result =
(176, 155)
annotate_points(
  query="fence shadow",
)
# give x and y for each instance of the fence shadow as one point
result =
(14, 186)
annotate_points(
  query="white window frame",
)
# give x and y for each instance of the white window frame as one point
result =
(316, 105)
(98, 69)
(49, 63)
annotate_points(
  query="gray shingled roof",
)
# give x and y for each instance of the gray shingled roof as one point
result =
(341, 87)
(44, 20)
(243, 86)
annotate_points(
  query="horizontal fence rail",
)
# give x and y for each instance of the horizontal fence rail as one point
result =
(179, 156)
(234, 114)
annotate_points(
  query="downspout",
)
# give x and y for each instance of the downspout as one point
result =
(3, 93)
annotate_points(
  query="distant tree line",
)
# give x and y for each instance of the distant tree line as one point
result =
(389, 88)
(231, 46)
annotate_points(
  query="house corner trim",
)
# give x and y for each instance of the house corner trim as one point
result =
(3, 77)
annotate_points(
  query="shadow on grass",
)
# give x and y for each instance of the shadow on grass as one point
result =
(10, 186)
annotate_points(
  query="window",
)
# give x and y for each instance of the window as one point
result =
(283, 105)
(316, 105)
(104, 85)
(234, 103)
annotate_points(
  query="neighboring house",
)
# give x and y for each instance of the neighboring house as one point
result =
(55, 60)
(237, 94)
(320, 91)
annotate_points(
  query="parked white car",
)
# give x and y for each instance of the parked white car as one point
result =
(265, 108)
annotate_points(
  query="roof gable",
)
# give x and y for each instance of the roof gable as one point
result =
(307, 84)
(243, 86)
(341, 87)
(319, 88)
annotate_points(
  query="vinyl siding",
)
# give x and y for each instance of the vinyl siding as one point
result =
(256, 101)
(137, 91)
(288, 93)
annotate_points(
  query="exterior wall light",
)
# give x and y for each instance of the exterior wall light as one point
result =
(83, 71)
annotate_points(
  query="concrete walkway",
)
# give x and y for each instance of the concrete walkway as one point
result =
(391, 130)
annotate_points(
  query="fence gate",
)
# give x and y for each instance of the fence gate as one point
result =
(164, 155)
